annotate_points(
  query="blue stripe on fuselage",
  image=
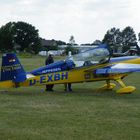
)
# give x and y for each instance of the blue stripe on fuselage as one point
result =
(124, 58)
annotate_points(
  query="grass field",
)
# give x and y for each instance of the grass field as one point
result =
(85, 114)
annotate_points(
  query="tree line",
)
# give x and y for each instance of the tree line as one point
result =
(24, 37)
(122, 40)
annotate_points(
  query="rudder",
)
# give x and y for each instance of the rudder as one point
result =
(11, 68)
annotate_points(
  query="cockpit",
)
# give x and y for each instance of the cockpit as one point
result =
(96, 55)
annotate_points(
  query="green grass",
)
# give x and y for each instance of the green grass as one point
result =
(85, 114)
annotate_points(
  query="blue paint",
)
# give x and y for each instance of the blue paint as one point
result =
(32, 82)
(124, 58)
(42, 79)
(64, 76)
(54, 67)
(56, 77)
(49, 78)
(12, 69)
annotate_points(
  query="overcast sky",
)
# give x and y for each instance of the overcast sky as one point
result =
(86, 20)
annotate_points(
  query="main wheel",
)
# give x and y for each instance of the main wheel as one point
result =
(108, 87)
(126, 90)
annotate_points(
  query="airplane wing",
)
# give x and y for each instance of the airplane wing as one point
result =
(119, 68)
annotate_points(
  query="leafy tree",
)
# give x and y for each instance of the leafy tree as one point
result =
(70, 46)
(6, 37)
(120, 39)
(27, 37)
(71, 40)
(139, 36)
(19, 36)
(129, 37)
(113, 38)
(96, 42)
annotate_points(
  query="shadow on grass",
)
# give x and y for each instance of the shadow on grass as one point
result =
(77, 92)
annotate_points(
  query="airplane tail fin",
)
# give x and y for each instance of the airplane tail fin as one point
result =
(12, 69)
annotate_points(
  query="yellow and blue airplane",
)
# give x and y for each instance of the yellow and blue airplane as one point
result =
(92, 65)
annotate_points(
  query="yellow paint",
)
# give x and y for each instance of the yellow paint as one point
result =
(124, 90)
(133, 61)
(108, 87)
(7, 84)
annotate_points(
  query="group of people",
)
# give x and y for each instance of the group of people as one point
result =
(49, 87)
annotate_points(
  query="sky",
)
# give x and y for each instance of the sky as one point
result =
(86, 20)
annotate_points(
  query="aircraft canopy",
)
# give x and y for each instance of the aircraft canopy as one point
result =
(96, 55)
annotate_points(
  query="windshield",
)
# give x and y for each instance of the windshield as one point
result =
(96, 55)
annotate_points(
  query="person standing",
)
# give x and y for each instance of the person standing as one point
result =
(68, 87)
(48, 61)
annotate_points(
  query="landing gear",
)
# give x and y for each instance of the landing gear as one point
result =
(108, 85)
(125, 89)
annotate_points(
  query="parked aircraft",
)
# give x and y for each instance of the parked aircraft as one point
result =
(89, 66)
